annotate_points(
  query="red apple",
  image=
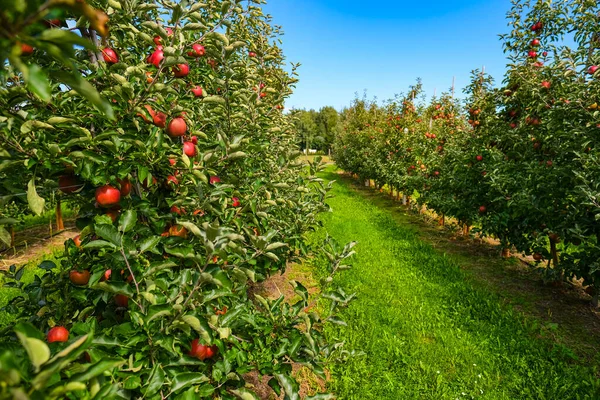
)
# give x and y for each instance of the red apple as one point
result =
(177, 127)
(537, 26)
(53, 23)
(121, 300)
(532, 54)
(159, 119)
(202, 351)
(172, 179)
(157, 39)
(535, 42)
(156, 57)
(479, 158)
(58, 334)
(108, 195)
(177, 210)
(181, 70)
(189, 149)
(106, 275)
(197, 51)
(263, 95)
(113, 214)
(26, 49)
(482, 210)
(125, 186)
(79, 278)
(110, 56)
(436, 173)
(549, 163)
(197, 91)
(194, 139)
(235, 202)
(172, 161)
(251, 54)
(546, 84)
(214, 179)
(77, 240)
(592, 70)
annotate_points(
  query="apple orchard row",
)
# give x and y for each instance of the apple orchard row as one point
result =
(517, 162)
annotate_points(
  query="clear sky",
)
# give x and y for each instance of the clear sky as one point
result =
(347, 46)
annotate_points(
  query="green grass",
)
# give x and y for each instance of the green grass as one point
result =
(31, 221)
(427, 330)
(31, 270)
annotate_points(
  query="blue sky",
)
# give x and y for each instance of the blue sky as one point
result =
(347, 46)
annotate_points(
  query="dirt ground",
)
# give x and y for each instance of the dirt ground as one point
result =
(34, 243)
(273, 288)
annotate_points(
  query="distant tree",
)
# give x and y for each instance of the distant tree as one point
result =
(327, 121)
(316, 129)
(306, 127)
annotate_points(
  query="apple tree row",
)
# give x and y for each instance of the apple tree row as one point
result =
(163, 121)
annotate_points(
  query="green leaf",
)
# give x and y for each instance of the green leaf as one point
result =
(37, 350)
(156, 380)
(289, 385)
(236, 155)
(185, 379)
(127, 221)
(114, 287)
(104, 365)
(321, 396)
(149, 243)
(5, 236)
(274, 246)
(63, 37)
(36, 203)
(108, 232)
(159, 311)
(84, 88)
(38, 83)
(98, 244)
(47, 265)
(245, 394)
(214, 99)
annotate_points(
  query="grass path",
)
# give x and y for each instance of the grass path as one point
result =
(427, 331)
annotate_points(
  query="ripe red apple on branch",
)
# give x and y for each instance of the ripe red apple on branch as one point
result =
(181, 70)
(197, 51)
(110, 56)
(107, 196)
(177, 127)
(189, 149)
(158, 40)
(58, 334)
(197, 90)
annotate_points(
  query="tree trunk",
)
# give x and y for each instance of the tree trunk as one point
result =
(505, 252)
(466, 229)
(554, 253)
(442, 221)
(60, 225)
(12, 236)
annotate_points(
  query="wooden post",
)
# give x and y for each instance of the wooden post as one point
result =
(60, 225)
